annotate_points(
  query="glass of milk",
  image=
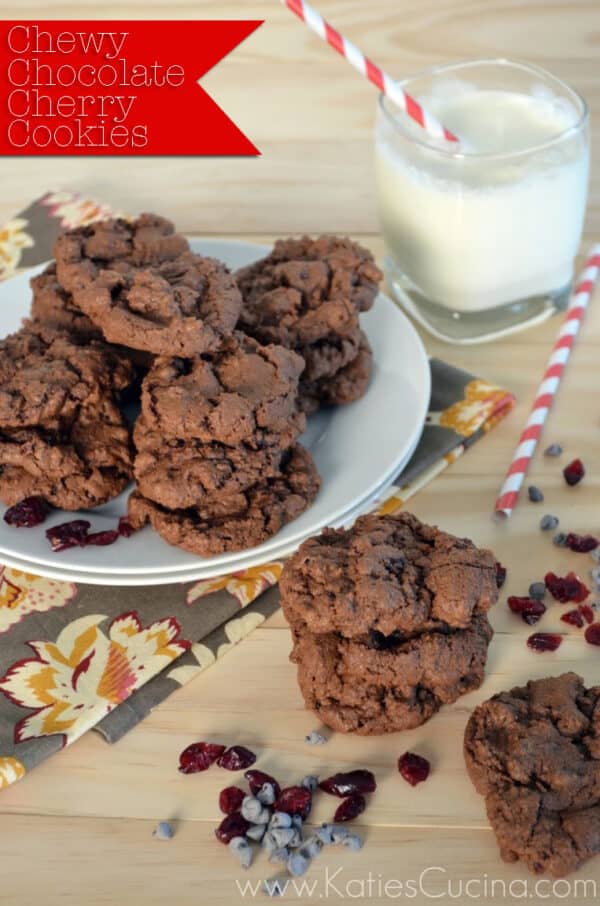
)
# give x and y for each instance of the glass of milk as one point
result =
(482, 237)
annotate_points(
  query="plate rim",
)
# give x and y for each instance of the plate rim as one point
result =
(148, 580)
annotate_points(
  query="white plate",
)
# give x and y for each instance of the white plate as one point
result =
(245, 561)
(356, 449)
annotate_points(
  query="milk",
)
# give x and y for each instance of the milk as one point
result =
(500, 221)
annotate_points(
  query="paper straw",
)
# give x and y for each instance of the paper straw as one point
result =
(368, 69)
(559, 357)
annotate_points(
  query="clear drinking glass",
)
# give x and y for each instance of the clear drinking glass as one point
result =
(483, 242)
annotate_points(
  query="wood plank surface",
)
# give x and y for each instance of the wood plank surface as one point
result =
(77, 830)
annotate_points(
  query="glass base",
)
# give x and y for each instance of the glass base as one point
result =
(472, 327)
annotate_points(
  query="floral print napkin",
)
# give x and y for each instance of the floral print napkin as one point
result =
(75, 658)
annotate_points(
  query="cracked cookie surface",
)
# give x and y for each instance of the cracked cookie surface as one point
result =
(53, 305)
(47, 375)
(307, 295)
(315, 271)
(185, 306)
(62, 435)
(116, 244)
(238, 521)
(534, 753)
(244, 394)
(387, 574)
(385, 686)
(347, 384)
(181, 473)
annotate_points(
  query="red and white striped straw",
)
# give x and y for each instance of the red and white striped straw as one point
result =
(368, 69)
(550, 382)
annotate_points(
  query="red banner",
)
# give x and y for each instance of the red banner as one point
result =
(115, 88)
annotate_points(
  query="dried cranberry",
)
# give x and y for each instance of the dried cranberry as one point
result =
(566, 588)
(581, 544)
(586, 612)
(414, 768)
(257, 779)
(544, 641)
(230, 799)
(350, 808)
(573, 618)
(236, 758)
(27, 513)
(574, 472)
(294, 800)
(102, 538)
(68, 534)
(234, 825)
(592, 634)
(126, 530)
(500, 574)
(344, 784)
(528, 608)
(199, 756)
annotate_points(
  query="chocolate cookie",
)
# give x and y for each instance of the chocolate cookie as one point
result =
(243, 394)
(46, 376)
(185, 306)
(181, 473)
(238, 522)
(62, 436)
(54, 306)
(386, 575)
(316, 270)
(83, 253)
(388, 685)
(534, 753)
(80, 466)
(346, 385)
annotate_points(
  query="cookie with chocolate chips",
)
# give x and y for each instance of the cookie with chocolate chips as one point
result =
(243, 394)
(186, 306)
(238, 521)
(62, 434)
(382, 684)
(385, 575)
(115, 244)
(53, 306)
(534, 754)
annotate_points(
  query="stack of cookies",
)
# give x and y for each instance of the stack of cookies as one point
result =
(388, 621)
(128, 308)
(62, 434)
(307, 295)
(217, 464)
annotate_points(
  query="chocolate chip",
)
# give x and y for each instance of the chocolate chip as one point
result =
(163, 831)
(548, 522)
(537, 590)
(553, 450)
(535, 495)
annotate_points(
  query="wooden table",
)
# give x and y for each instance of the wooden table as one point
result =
(77, 830)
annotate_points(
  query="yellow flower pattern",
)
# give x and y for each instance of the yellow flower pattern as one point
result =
(13, 239)
(22, 593)
(481, 403)
(11, 770)
(246, 585)
(73, 682)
